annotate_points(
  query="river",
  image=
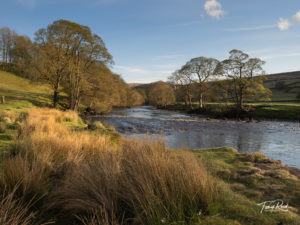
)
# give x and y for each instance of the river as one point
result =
(277, 140)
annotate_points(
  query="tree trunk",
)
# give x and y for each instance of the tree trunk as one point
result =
(55, 98)
(190, 102)
(3, 100)
(201, 101)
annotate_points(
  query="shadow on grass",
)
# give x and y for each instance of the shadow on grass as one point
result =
(5, 137)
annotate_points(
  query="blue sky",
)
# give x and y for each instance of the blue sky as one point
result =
(149, 39)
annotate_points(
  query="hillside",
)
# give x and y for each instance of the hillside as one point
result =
(21, 94)
(284, 86)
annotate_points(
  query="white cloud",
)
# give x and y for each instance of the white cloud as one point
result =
(260, 51)
(281, 55)
(265, 27)
(214, 8)
(284, 24)
(296, 17)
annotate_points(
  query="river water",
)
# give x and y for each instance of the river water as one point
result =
(277, 140)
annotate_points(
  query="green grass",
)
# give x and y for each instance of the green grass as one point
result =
(277, 111)
(22, 94)
(6, 139)
(270, 110)
(248, 180)
(289, 93)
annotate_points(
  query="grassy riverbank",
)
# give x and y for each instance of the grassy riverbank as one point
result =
(259, 111)
(57, 170)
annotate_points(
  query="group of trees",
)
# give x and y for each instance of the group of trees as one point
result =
(237, 79)
(14, 49)
(73, 61)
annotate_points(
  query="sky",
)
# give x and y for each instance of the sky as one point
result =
(150, 39)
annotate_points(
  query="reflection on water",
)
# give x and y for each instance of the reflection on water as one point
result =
(278, 140)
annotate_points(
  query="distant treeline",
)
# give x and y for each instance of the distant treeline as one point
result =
(73, 61)
(237, 79)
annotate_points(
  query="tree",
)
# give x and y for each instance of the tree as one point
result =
(65, 53)
(51, 58)
(7, 38)
(161, 94)
(245, 78)
(202, 70)
(183, 84)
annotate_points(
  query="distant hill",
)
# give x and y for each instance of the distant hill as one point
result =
(284, 76)
(284, 86)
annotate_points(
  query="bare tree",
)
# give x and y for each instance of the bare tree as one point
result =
(182, 81)
(202, 70)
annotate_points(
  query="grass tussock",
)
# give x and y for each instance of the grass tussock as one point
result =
(43, 137)
(29, 177)
(142, 182)
(14, 211)
(79, 176)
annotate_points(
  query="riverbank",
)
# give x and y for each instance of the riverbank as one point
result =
(259, 111)
(50, 174)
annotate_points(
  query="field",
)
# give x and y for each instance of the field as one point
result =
(285, 87)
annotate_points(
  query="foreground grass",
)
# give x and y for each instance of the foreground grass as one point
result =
(275, 111)
(61, 172)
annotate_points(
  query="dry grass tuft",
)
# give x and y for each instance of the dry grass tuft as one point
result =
(14, 211)
(8, 117)
(41, 130)
(164, 185)
(142, 181)
(30, 177)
